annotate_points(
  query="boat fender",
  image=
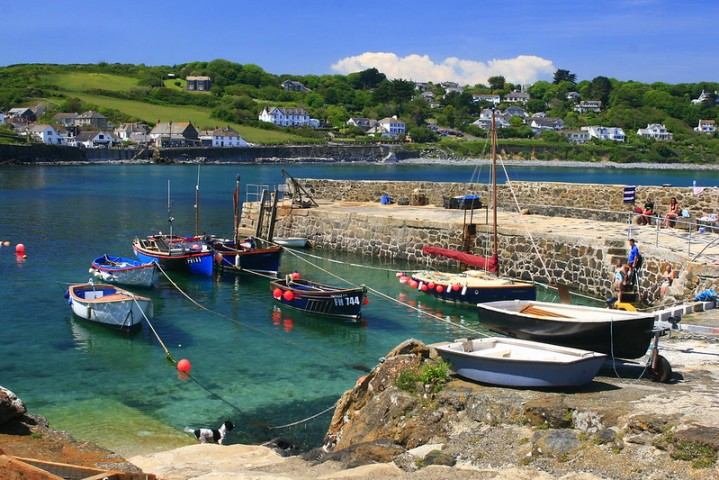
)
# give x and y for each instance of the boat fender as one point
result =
(419, 285)
(464, 290)
(66, 295)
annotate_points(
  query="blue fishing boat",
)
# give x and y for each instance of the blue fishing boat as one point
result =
(125, 271)
(174, 252)
(245, 256)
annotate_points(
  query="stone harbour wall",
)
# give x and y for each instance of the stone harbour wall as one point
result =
(583, 263)
(572, 200)
(586, 263)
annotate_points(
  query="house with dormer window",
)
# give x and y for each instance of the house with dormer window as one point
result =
(285, 117)
(706, 126)
(655, 131)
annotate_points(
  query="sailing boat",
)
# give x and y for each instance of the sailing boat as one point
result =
(473, 286)
(244, 255)
(175, 252)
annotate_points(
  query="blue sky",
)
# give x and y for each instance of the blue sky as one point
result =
(460, 40)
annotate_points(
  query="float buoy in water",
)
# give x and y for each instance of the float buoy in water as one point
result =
(184, 365)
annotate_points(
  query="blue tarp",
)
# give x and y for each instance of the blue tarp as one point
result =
(386, 200)
(706, 296)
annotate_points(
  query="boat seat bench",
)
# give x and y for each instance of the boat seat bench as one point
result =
(533, 310)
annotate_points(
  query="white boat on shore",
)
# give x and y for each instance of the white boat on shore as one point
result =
(513, 362)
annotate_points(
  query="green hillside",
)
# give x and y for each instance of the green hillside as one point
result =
(437, 115)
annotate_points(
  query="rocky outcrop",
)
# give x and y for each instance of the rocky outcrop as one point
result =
(609, 428)
(10, 406)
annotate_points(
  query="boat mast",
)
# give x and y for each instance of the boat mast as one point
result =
(494, 186)
(169, 208)
(236, 205)
(197, 203)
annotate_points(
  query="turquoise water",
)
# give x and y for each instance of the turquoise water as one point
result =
(257, 365)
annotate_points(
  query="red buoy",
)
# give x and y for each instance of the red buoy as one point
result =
(277, 293)
(430, 285)
(288, 295)
(19, 248)
(440, 289)
(365, 301)
(184, 365)
(295, 275)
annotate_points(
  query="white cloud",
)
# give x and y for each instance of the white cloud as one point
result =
(523, 69)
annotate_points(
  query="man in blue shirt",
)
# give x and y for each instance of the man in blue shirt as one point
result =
(632, 260)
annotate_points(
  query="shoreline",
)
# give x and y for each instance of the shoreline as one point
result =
(407, 161)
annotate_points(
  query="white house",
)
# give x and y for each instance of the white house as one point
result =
(45, 134)
(588, 106)
(706, 126)
(126, 130)
(285, 117)
(227, 137)
(539, 125)
(655, 131)
(576, 136)
(393, 125)
(516, 97)
(93, 139)
(615, 134)
(363, 123)
(492, 98)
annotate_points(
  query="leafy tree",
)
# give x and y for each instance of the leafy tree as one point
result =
(422, 135)
(366, 79)
(496, 82)
(599, 89)
(564, 76)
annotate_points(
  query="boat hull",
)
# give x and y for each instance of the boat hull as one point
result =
(109, 305)
(291, 242)
(181, 254)
(319, 299)
(520, 363)
(125, 271)
(613, 332)
(472, 289)
(259, 260)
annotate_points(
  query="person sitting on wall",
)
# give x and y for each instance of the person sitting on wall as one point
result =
(667, 280)
(647, 213)
(671, 216)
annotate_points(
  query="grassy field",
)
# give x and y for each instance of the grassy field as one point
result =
(82, 82)
(78, 84)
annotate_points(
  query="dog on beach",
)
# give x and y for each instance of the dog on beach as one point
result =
(209, 435)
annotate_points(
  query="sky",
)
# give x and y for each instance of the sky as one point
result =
(465, 41)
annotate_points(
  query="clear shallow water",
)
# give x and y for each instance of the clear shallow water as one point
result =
(252, 363)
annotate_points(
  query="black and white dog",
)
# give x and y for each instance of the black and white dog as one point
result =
(209, 435)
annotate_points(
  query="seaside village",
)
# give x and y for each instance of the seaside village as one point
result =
(91, 129)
